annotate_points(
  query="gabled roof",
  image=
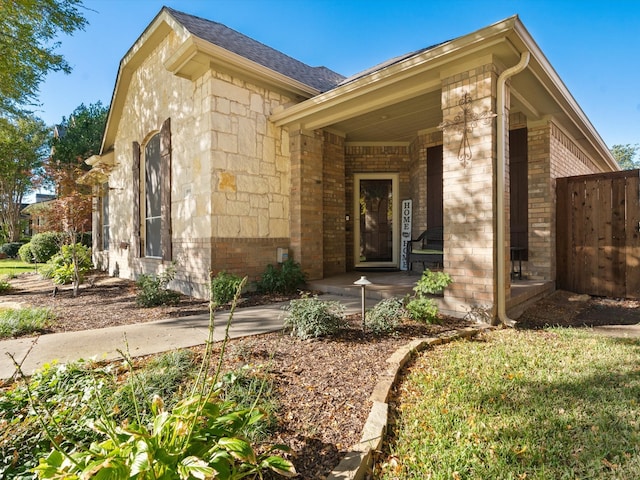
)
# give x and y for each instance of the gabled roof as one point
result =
(320, 78)
(203, 42)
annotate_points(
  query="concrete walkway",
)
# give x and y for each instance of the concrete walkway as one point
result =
(145, 338)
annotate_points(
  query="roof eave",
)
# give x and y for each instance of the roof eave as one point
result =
(196, 56)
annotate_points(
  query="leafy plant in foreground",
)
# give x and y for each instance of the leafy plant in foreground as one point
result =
(310, 317)
(200, 437)
(62, 266)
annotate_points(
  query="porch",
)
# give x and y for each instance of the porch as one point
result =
(400, 283)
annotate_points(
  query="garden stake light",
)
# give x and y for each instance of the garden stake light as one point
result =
(363, 282)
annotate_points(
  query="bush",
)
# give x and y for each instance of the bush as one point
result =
(224, 287)
(432, 283)
(60, 267)
(385, 316)
(22, 321)
(45, 245)
(4, 286)
(310, 317)
(422, 308)
(153, 289)
(284, 279)
(10, 249)
(25, 253)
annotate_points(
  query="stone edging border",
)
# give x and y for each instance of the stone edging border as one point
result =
(358, 460)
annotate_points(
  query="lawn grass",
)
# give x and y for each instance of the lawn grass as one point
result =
(11, 267)
(518, 405)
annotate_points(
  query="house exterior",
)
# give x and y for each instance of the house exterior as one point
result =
(219, 150)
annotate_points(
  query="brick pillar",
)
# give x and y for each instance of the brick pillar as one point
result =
(307, 201)
(469, 191)
(334, 256)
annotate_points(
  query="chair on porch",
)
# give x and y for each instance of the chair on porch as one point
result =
(428, 248)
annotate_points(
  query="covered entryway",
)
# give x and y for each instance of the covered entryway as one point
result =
(598, 239)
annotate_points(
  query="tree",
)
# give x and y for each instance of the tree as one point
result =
(625, 156)
(28, 30)
(77, 138)
(23, 143)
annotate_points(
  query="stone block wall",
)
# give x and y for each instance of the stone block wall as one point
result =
(230, 174)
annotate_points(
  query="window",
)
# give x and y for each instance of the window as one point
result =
(105, 216)
(152, 199)
(152, 206)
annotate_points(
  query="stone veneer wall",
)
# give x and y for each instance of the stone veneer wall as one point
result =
(373, 159)
(231, 174)
(334, 206)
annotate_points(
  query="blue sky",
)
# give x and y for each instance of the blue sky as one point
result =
(593, 45)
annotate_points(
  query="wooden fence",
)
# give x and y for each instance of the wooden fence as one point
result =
(597, 234)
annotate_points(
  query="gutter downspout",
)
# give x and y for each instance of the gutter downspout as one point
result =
(500, 191)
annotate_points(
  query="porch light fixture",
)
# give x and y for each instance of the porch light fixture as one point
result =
(363, 282)
(464, 123)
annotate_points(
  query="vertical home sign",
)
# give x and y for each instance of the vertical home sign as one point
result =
(405, 233)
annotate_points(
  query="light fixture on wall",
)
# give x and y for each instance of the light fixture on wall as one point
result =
(464, 123)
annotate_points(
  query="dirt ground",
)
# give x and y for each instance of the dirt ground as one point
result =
(322, 410)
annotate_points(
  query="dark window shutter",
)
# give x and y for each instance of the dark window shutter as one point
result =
(435, 216)
(165, 178)
(97, 231)
(519, 190)
(135, 173)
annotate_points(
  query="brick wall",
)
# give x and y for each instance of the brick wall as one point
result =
(373, 159)
(307, 201)
(334, 205)
(468, 189)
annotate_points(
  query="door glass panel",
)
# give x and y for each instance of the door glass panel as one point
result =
(376, 220)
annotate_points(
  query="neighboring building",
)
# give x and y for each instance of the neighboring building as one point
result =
(34, 214)
(218, 150)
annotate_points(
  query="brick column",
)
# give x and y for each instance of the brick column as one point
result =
(306, 204)
(469, 191)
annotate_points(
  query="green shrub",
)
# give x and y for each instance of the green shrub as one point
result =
(26, 254)
(424, 309)
(45, 245)
(153, 289)
(224, 287)
(23, 321)
(10, 249)
(310, 317)
(385, 316)
(432, 283)
(4, 286)
(60, 267)
(284, 279)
